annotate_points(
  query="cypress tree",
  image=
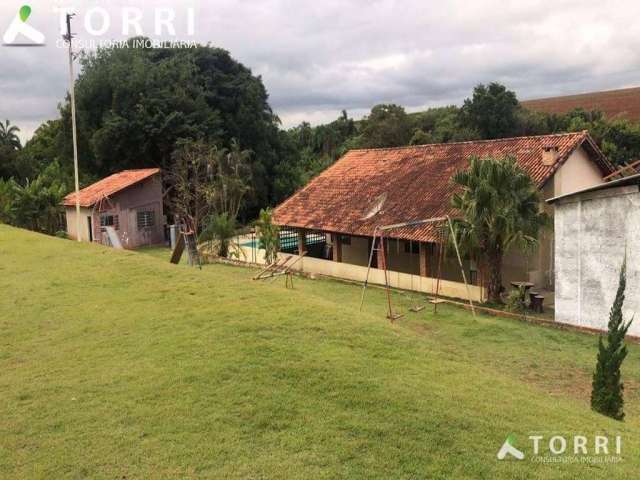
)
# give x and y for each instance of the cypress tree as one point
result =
(607, 386)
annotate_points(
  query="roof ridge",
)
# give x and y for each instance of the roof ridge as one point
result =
(468, 142)
(136, 170)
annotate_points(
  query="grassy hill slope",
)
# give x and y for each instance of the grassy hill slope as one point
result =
(120, 365)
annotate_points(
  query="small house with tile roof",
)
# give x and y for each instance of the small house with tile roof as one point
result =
(129, 201)
(334, 216)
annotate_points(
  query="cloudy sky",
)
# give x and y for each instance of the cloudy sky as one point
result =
(318, 57)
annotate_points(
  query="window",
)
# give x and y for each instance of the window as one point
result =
(412, 247)
(109, 221)
(146, 218)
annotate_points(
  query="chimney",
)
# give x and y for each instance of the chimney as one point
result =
(549, 155)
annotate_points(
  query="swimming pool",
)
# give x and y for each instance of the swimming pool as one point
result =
(288, 241)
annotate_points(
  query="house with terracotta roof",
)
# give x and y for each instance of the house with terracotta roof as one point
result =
(334, 216)
(129, 201)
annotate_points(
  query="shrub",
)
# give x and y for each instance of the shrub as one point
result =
(607, 388)
(268, 235)
(517, 300)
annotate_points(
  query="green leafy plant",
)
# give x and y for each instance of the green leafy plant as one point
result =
(219, 231)
(607, 388)
(268, 235)
(36, 204)
(500, 208)
(9, 135)
(517, 300)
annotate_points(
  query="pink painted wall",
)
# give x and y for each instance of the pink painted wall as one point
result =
(144, 196)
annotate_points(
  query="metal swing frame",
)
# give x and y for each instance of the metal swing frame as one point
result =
(378, 244)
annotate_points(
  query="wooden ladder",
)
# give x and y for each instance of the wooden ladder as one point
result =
(187, 239)
(192, 248)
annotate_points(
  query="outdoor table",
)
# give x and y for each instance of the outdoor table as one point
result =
(525, 285)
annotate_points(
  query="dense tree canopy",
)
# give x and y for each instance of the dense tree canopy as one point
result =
(492, 111)
(386, 126)
(133, 105)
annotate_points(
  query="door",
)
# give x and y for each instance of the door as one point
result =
(90, 225)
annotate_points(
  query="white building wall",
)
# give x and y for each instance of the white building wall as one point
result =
(592, 231)
(577, 173)
(405, 281)
(70, 213)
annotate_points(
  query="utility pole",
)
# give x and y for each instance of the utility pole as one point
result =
(68, 38)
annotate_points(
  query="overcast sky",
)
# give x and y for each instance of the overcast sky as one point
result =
(318, 57)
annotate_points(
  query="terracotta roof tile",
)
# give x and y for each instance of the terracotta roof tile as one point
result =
(415, 181)
(108, 186)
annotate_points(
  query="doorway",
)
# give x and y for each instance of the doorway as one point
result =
(89, 223)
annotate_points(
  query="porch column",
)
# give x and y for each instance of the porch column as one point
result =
(337, 247)
(424, 259)
(302, 247)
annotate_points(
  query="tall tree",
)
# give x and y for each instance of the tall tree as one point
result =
(492, 111)
(500, 208)
(9, 135)
(209, 185)
(229, 177)
(188, 178)
(135, 103)
(388, 125)
(607, 388)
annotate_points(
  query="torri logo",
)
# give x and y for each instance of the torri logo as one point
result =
(20, 33)
(566, 448)
(509, 449)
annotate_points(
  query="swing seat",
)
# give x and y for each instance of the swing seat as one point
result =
(417, 308)
(437, 301)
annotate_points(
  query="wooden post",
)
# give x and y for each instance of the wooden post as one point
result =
(381, 253)
(424, 259)
(302, 247)
(337, 247)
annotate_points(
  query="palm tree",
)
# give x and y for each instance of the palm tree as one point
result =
(8, 135)
(220, 229)
(500, 208)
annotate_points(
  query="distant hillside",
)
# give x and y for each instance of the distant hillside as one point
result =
(624, 103)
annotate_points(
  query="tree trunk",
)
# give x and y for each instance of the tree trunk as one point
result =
(224, 248)
(494, 268)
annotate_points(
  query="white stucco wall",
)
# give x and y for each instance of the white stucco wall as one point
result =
(577, 173)
(70, 213)
(591, 232)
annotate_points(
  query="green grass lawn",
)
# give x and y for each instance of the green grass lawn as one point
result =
(119, 365)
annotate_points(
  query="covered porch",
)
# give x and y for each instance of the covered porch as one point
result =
(411, 265)
(404, 256)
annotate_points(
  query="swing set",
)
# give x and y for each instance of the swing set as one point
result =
(380, 234)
